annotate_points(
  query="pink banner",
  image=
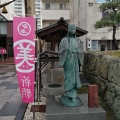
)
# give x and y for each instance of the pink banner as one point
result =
(24, 55)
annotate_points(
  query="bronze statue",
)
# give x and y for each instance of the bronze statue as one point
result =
(70, 58)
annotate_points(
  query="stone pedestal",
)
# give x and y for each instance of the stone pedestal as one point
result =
(52, 91)
(45, 78)
(55, 111)
(57, 76)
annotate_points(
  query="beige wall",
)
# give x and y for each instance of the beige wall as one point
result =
(54, 14)
(48, 22)
(86, 19)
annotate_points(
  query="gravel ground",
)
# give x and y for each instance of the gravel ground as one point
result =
(38, 116)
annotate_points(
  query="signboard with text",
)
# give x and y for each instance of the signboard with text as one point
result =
(24, 55)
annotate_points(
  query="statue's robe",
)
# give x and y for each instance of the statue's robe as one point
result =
(71, 62)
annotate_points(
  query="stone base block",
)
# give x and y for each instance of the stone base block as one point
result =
(52, 90)
(57, 75)
(55, 111)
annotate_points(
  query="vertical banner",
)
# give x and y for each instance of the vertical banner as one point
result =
(24, 55)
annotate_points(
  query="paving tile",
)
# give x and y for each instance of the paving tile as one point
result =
(2, 103)
(15, 81)
(7, 117)
(16, 77)
(12, 86)
(4, 98)
(15, 97)
(13, 75)
(4, 77)
(10, 73)
(18, 90)
(11, 79)
(6, 110)
(2, 88)
(10, 98)
(7, 92)
(5, 83)
(16, 94)
(2, 81)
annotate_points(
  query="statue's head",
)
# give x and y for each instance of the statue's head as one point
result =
(71, 29)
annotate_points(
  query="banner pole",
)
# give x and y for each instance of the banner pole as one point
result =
(34, 95)
(37, 82)
(39, 76)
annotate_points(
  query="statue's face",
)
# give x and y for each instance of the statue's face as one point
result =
(72, 29)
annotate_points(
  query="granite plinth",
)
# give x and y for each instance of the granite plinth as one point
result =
(55, 111)
(57, 75)
(52, 91)
(65, 101)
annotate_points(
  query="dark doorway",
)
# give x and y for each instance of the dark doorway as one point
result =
(10, 51)
(102, 47)
(3, 41)
(10, 47)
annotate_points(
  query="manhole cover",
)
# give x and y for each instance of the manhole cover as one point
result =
(54, 85)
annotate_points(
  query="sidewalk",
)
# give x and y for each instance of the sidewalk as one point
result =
(9, 61)
(11, 106)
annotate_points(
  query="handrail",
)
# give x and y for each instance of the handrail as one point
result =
(48, 52)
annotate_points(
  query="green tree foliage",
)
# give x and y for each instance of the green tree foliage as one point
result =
(112, 7)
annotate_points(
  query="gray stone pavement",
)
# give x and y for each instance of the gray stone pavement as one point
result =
(11, 106)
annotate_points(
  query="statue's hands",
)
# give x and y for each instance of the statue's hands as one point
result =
(63, 50)
(66, 49)
(74, 51)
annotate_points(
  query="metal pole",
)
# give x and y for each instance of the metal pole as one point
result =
(29, 7)
(30, 11)
(39, 75)
(25, 7)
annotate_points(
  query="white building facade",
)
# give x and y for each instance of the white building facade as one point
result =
(87, 13)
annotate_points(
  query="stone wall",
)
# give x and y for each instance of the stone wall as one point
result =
(104, 70)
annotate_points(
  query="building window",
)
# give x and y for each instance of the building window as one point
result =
(94, 45)
(47, 6)
(62, 6)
